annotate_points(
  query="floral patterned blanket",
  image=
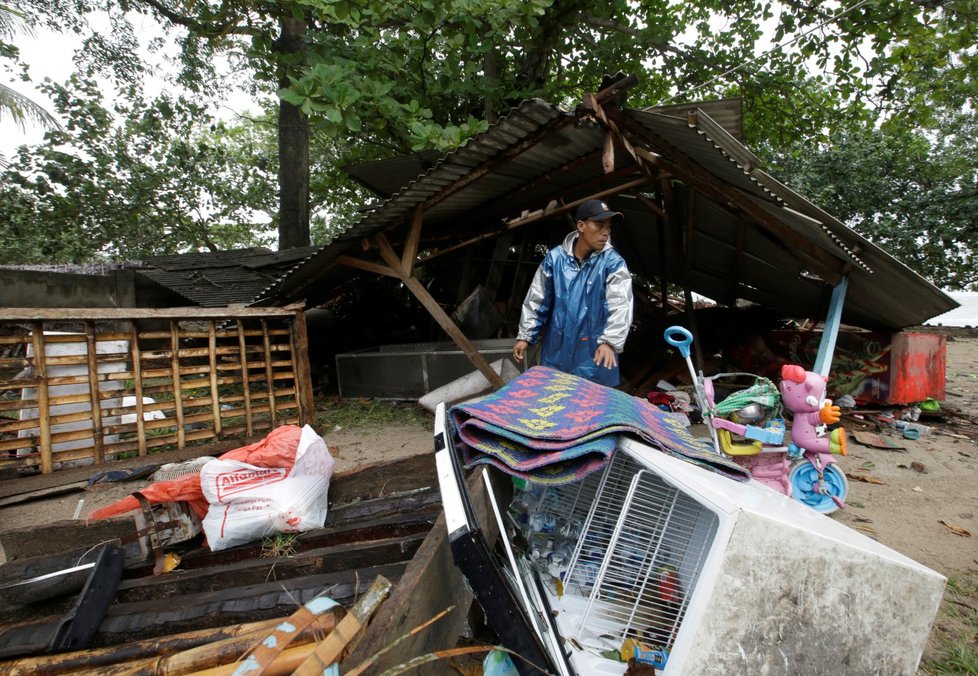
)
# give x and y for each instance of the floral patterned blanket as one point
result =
(551, 427)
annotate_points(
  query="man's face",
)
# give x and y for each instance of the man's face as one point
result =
(594, 234)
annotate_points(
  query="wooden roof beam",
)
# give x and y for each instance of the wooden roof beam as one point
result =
(405, 273)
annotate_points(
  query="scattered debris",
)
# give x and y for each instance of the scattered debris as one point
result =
(957, 530)
(865, 478)
(876, 441)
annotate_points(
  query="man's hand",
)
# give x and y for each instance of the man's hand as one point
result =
(519, 349)
(606, 356)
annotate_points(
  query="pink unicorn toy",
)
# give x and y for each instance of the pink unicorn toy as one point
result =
(803, 393)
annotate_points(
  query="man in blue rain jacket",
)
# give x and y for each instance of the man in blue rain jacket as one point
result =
(580, 301)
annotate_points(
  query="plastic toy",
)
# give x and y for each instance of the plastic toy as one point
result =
(816, 481)
(746, 424)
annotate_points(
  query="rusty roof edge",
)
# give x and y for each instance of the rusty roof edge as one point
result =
(741, 154)
(470, 147)
(844, 235)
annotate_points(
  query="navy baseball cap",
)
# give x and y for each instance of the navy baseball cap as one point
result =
(596, 210)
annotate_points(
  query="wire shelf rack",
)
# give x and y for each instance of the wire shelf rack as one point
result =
(642, 547)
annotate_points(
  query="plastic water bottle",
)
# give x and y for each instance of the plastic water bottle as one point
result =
(540, 546)
(542, 522)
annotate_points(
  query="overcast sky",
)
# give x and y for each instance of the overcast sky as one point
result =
(50, 55)
(46, 56)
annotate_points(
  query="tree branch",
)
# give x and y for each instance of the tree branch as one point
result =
(207, 30)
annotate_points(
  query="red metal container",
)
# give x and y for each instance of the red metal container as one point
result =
(875, 368)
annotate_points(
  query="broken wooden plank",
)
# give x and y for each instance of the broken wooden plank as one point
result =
(61, 536)
(143, 619)
(254, 570)
(41, 493)
(265, 651)
(328, 651)
(129, 653)
(430, 584)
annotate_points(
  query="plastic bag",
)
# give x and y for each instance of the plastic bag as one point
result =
(277, 449)
(248, 502)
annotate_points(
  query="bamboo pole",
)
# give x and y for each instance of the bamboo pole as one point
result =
(264, 652)
(328, 651)
(130, 653)
(220, 655)
(96, 405)
(43, 410)
(309, 659)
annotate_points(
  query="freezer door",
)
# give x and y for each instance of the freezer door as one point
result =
(491, 585)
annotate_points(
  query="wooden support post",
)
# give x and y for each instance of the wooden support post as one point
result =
(689, 229)
(301, 369)
(43, 407)
(436, 311)
(175, 376)
(410, 252)
(212, 361)
(137, 376)
(245, 385)
(269, 374)
(663, 261)
(91, 345)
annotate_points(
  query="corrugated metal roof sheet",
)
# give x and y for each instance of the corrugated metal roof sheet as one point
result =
(538, 153)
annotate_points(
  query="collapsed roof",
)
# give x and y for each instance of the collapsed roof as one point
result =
(699, 212)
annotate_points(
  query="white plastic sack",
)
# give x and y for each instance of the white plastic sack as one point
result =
(249, 502)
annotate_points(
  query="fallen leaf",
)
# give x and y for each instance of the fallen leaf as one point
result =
(957, 530)
(866, 478)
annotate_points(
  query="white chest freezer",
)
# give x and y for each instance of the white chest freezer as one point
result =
(717, 576)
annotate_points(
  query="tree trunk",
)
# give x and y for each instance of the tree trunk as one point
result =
(293, 149)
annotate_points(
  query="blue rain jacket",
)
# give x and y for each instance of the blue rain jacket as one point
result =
(576, 307)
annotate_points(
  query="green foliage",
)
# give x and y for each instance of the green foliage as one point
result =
(280, 544)
(911, 193)
(21, 109)
(145, 178)
(957, 626)
(354, 413)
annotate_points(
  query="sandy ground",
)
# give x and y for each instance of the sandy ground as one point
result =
(923, 500)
